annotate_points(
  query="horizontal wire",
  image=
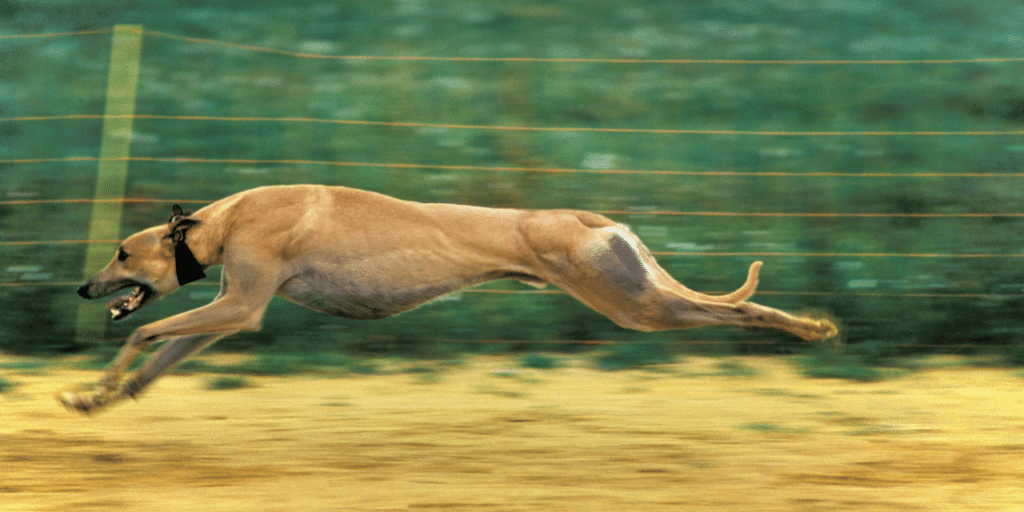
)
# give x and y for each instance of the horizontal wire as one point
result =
(639, 212)
(501, 341)
(680, 343)
(27, 284)
(499, 291)
(792, 293)
(841, 255)
(684, 343)
(68, 117)
(609, 342)
(630, 212)
(614, 342)
(813, 215)
(16, 243)
(554, 170)
(826, 62)
(54, 34)
(393, 124)
(665, 253)
(16, 202)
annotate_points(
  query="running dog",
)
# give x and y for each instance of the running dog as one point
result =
(358, 254)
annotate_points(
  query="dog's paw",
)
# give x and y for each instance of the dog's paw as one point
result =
(827, 329)
(77, 402)
(821, 329)
(818, 325)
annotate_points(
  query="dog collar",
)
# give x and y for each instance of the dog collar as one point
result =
(185, 264)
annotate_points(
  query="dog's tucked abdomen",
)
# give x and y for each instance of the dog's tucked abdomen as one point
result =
(387, 284)
(354, 301)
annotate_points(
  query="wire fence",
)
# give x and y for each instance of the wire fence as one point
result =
(638, 174)
(829, 62)
(395, 165)
(566, 129)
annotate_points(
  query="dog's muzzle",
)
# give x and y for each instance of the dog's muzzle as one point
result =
(123, 306)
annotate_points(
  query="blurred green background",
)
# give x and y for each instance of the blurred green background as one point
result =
(949, 280)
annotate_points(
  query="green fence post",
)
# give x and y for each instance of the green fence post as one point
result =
(112, 172)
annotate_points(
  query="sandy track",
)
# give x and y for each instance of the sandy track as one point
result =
(479, 438)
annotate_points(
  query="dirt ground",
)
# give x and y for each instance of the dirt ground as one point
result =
(488, 436)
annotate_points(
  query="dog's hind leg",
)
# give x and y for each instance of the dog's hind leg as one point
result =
(173, 352)
(609, 269)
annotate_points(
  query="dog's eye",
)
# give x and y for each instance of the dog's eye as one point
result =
(121, 255)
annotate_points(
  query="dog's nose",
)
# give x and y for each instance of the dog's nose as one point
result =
(84, 291)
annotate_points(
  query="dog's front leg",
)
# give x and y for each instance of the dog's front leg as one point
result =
(135, 345)
(112, 390)
(109, 386)
(172, 353)
(139, 341)
(193, 329)
(248, 283)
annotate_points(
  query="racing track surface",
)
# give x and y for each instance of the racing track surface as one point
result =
(487, 436)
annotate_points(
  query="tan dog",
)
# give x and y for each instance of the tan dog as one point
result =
(358, 254)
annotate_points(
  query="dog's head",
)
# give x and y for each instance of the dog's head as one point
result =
(154, 262)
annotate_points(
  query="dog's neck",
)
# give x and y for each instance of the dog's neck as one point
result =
(204, 244)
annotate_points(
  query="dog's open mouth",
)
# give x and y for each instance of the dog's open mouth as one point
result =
(122, 307)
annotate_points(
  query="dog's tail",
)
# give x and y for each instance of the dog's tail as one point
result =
(744, 292)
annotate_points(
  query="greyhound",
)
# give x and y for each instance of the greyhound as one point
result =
(362, 255)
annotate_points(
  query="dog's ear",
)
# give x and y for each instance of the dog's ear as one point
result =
(177, 213)
(178, 223)
(186, 266)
